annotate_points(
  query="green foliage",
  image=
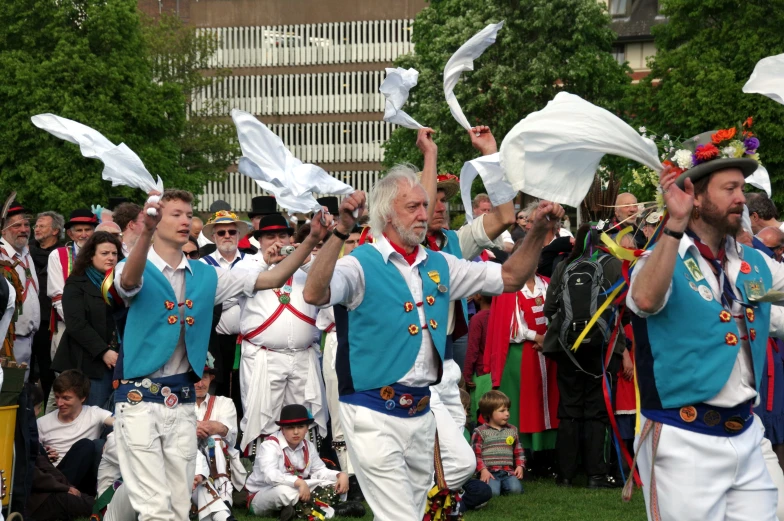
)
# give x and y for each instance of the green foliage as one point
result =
(545, 46)
(706, 52)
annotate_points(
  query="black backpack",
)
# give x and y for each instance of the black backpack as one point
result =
(581, 294)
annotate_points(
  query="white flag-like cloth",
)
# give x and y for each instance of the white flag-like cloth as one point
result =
(553, 154)
(489, 169)
(395, 89)
(761, 179)
(768, 78)
(463, 60)
(266, 160)
(121, 165)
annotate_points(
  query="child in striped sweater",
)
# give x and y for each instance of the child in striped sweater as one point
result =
(499, 457)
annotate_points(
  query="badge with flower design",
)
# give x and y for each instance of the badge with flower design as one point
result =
(731, 339)
(188, 303)
(430, 299)
(433, 324)
(510, 440)
(408, 306)
(413, 329)
(189, 321)
(750, 314)
(753, 334)
(172, 319)
(725, 316)
(169, 304)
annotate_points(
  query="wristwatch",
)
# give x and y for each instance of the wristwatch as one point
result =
(342, 236)
(672, 233)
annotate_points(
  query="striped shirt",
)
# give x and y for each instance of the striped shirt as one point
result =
(497, 449)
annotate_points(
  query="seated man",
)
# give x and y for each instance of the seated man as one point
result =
(216, 428)
(290, 477)
(71, 433)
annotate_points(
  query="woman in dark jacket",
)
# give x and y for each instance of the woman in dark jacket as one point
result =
(90, 342)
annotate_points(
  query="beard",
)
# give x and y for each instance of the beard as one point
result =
(719, 220)
(227, 248)
(410, 236)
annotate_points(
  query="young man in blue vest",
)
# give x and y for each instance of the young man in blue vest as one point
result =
(391, 303)
(170, 301)
(701, 348)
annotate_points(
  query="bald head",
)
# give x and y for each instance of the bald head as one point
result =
(771, 237)
(623, 211)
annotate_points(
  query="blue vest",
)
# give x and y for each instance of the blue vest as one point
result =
(384, 335)
(152, 329)
(692, 344)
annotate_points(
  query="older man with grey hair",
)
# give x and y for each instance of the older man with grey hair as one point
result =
(397, 292)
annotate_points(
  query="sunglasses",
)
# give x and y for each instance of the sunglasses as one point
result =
(223, 233)
(192, 254)
(524, 218)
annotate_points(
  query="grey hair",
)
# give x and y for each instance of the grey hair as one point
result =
(58, 221)
(531, 207)
(384, 193)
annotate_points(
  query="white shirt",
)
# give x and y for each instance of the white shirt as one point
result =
(229, 323)
(56, 281)
(8, 313)
(325, 319)
(465, 278)
(523, 332)
(506, 237)
(223, 411)
(61, 436)
(740, 384)
(232, 283)
(287, 332)
(473, 238)
(269, 469)
(27, 323)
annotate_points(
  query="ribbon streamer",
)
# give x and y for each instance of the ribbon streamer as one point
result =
(489, 169)
(553, 154)
(463, 60)
(395, 89)
(267, 161)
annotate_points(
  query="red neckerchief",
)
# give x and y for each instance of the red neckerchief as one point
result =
(432, 242)
(706, 252)
(409, 257)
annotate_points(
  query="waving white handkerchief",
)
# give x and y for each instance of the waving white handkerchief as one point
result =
(395, 89)
(768, 78)
(761, 179)
(267, 161)
(463, 60)
(553, 154)
(489, 169)
(121, 165)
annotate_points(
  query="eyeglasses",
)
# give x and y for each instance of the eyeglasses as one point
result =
(222, 233)
(522, 217)
(192, 254)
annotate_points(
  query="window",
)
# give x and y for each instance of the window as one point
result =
(619, 53)
(620, 7)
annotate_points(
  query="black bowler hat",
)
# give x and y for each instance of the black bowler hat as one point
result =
(273, 223)
(82, 216)
(331, 202)
(114, 202)
(294, 415)
(262, 205)
(219, 205)
(15, 209)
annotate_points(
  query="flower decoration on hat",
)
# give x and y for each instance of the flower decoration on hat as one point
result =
(172, 319)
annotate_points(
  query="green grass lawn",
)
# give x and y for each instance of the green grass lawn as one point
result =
(543, 501)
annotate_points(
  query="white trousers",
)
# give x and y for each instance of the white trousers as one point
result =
(457, 456)
(393, 460)
(208, 506)
(223, 485)
(333, 401)
(156, 448)
(774, 469)
(120, 509)
(701, 477)
(271, 499)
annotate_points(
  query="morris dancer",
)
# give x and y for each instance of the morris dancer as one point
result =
(385, 393)
(701, 350)
(164, 350)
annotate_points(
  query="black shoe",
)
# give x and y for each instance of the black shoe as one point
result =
(563, 482)
(349, 509)
(354, 491)
(603, 481)
(287, 513)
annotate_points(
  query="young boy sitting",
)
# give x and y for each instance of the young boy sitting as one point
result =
(499, 457)
(288, 475)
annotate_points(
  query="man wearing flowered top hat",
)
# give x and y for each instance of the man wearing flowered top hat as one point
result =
(701, 336)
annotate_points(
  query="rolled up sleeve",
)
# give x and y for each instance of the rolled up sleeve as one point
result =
(234, 283)
(474, 239)
(630, 301)
(125, 294)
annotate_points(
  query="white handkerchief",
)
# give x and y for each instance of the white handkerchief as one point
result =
(761, 179)
(395, 89)
(267, 161)
(553, 154)
(121, 165)
(463, 60)
(489, 169)
(768, 78)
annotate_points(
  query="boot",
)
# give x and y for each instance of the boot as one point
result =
(354, 490)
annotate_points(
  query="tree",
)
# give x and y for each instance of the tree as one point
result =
(705, 53)
(544, 47)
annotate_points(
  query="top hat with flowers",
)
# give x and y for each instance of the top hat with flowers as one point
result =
(706, 153)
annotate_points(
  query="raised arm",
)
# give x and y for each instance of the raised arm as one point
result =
(429, 179)
(317, 286)
(653, 280)
(521, 266)
(131, 275)
(502, 215)
(286, 268)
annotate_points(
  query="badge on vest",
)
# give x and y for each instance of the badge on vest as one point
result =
(706, 293)
(754, 289)
(694, 270)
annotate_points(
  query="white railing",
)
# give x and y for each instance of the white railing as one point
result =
(238, 190)
(311, 44)
(294, 94)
